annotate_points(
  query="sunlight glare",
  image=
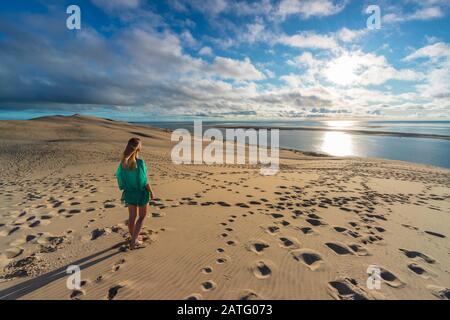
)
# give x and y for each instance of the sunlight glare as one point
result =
(337, 144)
(342, 71)
(340, 124)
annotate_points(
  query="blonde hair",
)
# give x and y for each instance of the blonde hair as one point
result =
(129, 156)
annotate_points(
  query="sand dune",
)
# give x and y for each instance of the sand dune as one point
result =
(215, 232)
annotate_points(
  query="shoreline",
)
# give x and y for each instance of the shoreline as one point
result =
(308, 153)
(354, 131)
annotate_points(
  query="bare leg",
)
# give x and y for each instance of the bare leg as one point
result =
(138, 225)
(132, 211)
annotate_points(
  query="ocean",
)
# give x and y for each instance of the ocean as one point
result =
(369, 140)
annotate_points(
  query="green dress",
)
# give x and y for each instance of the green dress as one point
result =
(133, 183)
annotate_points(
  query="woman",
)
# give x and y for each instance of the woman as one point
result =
(132, 179)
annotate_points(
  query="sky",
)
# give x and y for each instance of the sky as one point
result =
(143, 60)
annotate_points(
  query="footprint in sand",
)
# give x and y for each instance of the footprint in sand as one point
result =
(359, 250)
(435, 234)
(284, 223)
(34, 224)
(271, 229)
(118, 265)
(307, 230)
(310, 258)
(207, 270)
(419, 270)
(249, 295)
(99, 232)
(262, 269)
(77, 294)
(113, 291)
(339, 248)
(47, 216)
(440, 292)
(316, 222)
(276, 215)
(289, 243)
(391, 279)
(340, 229)
(194, 296)
(209, 285)
(417, 254)
(257, 246)
(346, 289)
(221, 260)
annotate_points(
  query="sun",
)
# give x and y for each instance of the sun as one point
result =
(342, 71)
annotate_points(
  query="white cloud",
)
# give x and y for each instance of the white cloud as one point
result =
(309, 40)
(428, 10)
(433, 51)
(116, 4)
(437, 71)
(364, 69)
(187, 38)
(348, 35)
(348, 68)
(206, 51)
(227, 68)
(310, 8)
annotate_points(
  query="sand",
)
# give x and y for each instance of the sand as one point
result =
(215, 232)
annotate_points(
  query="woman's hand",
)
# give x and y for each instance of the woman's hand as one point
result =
(149, 189)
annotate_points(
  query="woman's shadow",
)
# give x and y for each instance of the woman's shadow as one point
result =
(19, 290)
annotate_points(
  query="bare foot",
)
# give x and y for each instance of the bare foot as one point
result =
(137, 245)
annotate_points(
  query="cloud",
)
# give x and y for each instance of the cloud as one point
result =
(358, 68)
(188, 38)
(433, 51)
(309, 40)
(228, 68)
(152, 64)
(346, 68)
(423, 10)
(205, 51)
(310, 8)
(116, 4)
(437, 72)
(210, 8)
(348, 35)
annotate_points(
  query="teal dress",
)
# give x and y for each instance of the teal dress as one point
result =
(132, 183)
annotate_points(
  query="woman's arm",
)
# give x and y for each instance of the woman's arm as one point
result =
(149, 188)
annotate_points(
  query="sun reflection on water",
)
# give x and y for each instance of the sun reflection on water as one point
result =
(337, 144)
(340, 124)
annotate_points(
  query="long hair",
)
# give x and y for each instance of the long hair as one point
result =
(130, 154)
